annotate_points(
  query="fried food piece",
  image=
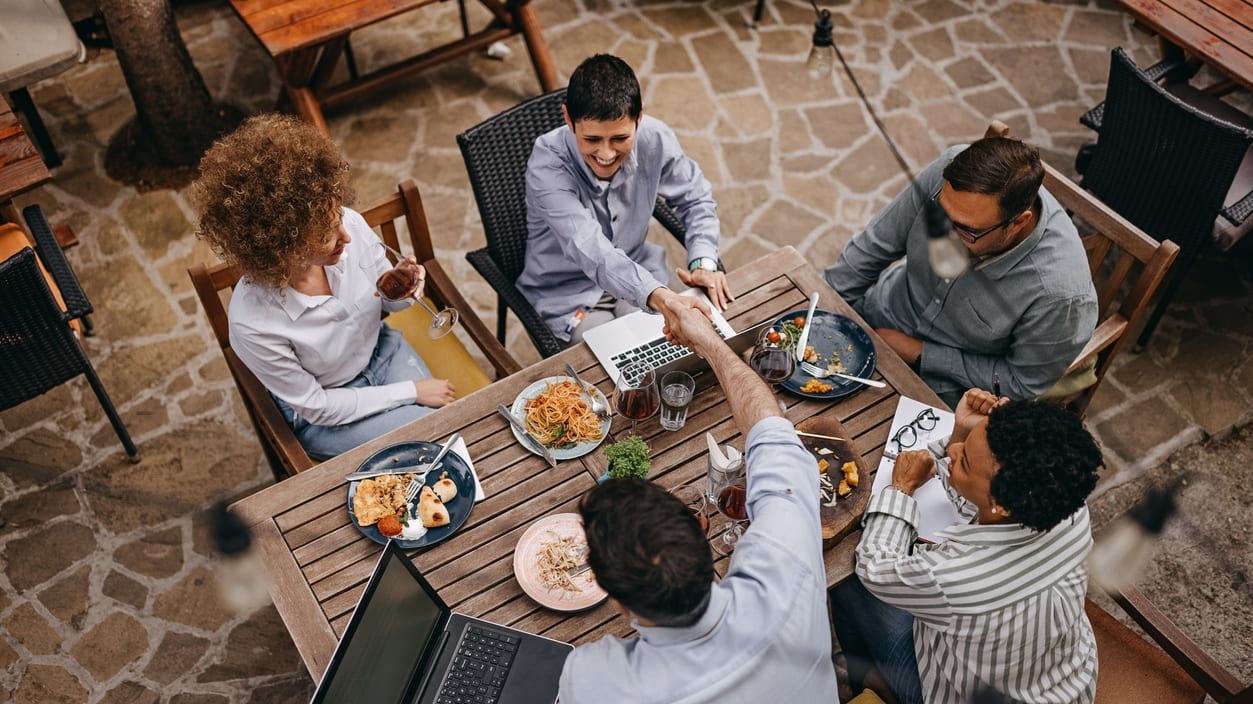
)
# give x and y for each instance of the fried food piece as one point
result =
(445, 488)
(815, 386)
(850, 473)
(390, 526)
(843, 489)
(431, 510)
(823, 465)
(379, 496)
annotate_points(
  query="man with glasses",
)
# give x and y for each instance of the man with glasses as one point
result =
(1021, 312)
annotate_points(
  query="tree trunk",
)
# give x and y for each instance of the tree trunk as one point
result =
(176, 119)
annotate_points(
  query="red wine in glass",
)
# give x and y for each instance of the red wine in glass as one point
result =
(638, 404)
(732, 502)
(773, 364)
(395, 283)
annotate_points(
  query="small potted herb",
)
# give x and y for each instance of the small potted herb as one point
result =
(628, 459)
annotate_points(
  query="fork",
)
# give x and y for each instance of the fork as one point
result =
(599, 407)
(580, 554)
(820, 373)
(415, 486)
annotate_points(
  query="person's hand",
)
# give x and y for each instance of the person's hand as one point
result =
(905, 346)
(975, 405)
(688, 323)
(913, 468)
(714, 283)
(434, 393)
(420, 282)
(668, 303)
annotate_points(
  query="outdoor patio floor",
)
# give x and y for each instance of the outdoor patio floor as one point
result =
(106, 586)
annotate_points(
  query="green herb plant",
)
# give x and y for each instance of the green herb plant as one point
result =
(628, 459)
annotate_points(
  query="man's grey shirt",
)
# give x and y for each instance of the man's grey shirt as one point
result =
(1022, 315)
(587, 236)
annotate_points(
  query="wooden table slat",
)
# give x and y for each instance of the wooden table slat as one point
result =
(1217, 31)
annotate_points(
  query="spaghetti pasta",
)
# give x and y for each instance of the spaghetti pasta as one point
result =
(560, 415)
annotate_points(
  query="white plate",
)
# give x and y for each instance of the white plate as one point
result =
(518, 409)
(525, 568)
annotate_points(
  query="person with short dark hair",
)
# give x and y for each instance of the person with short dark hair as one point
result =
(997, 601)
(1022, 312)
(761, 632)
(591, 186)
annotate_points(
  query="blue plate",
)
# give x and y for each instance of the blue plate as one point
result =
(831, 332)
(415, 453)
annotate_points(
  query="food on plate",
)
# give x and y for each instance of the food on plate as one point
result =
(431, 510)
(560, 416)
(811, 354)
(390, 526)
(816, 386)
(823, 465)
(850, 473)
(843, 489)
(799, 321)
(445, 488)
(555, 559)
(773, 337)
(379, 496)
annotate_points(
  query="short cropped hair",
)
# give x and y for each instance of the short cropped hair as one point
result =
(603, 88)
(648, 551)
(1001, 167)
(1048, 462)
(269, 194)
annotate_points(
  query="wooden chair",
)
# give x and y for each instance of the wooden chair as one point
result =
(1127, 266)
(446, 357)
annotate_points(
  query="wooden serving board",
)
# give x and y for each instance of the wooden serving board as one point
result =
(842, 518)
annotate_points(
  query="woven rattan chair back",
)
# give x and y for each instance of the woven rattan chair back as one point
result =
(1163, 165)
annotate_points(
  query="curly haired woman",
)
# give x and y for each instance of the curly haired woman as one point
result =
(995, 608)
(305, 317)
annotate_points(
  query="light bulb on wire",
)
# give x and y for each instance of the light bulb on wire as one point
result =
(1120, 555)
(822, 56)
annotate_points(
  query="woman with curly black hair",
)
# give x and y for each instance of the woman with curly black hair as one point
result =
(305, 316)
(997, 602)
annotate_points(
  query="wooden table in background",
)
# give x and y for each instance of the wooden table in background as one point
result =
(305, 38)
(319, 561)
(21, 166)
(1218, 32)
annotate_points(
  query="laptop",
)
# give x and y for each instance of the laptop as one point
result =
(404, 645)
(637, 337)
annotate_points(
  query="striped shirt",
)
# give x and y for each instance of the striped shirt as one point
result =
(996, 606)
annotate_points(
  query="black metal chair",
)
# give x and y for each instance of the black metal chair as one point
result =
(1165, 166)
(38, 348)
(495, 153)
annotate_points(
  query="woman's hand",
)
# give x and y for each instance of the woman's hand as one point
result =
(913, 468)
(419, 283)
(434, 393)
(975, 405)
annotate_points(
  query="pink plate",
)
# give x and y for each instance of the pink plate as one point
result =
(525, 567)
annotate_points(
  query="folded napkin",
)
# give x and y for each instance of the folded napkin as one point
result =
(464, 453)
(936, 509)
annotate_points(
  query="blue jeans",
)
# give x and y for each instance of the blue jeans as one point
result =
(393, 361)
(872, 632)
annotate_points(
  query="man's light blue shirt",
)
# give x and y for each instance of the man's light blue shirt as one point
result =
(765, 635)
(586, 236)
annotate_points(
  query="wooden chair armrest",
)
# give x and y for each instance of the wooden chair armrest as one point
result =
(1209, 673)
(267, 415)
(441, 287)
(1105, 335)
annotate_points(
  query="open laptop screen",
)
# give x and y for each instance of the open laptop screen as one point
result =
(397, 620)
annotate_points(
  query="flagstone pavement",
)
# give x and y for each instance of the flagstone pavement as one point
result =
(107, 591)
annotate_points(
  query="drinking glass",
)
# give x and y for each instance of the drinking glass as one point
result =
(636, 393)
(695, 500)
(676, 394)
(773, 359)
(397, 281)
(728, 492)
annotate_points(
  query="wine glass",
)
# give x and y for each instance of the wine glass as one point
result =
(398, 280)
(732, 502)
(636, 395)
(694, 499)
(773, 358)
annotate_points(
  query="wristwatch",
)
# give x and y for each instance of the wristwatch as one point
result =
(705, 263)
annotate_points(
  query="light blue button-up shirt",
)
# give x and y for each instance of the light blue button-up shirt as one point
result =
(765, 636)
(586, 236)
(1022, 315)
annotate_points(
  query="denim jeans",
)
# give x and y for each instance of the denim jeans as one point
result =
(393, 361)
(873, 632)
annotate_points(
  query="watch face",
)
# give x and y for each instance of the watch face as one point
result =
(704, 263)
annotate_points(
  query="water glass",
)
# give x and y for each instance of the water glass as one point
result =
(676, 395)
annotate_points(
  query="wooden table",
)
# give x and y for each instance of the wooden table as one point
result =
(305, 38)
(21, 166)
(319, 562)
(1218, 32)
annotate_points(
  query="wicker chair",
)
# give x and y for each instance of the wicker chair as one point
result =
(1165, 166)
(495, 153)
(39, 349)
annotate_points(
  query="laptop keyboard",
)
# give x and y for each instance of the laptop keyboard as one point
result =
(479, 667)
(655, 353)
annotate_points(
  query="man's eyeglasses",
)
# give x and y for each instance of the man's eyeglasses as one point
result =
(965, 232)
(908, 434)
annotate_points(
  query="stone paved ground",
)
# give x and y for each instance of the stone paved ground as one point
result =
(106, 590)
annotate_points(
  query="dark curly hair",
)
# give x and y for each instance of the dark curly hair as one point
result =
(269, 195)
(603, 88)
(648, 551)
(1048, 462)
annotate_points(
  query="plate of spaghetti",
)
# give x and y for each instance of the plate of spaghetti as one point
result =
(555, 410)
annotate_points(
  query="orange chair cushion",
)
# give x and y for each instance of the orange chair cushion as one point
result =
(12, 240)
(446, 357)
(1132, 669)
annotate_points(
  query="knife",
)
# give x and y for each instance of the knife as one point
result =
(809, 318)
(529, 439)
(419, 469)
(861, 380)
